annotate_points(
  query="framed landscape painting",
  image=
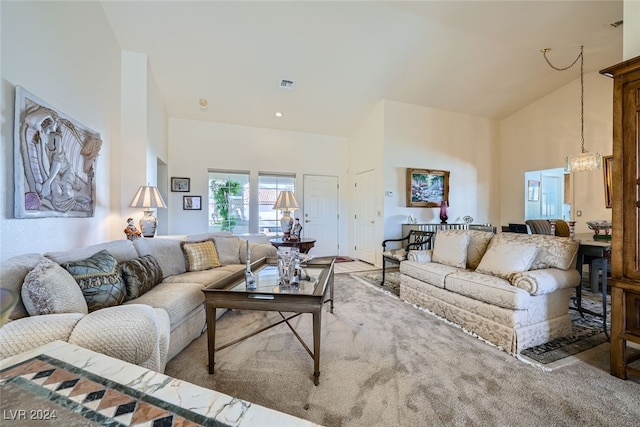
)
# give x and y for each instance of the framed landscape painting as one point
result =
(427, 188)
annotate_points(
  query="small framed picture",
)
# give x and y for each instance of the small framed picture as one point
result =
(182, 185)
(191, 203)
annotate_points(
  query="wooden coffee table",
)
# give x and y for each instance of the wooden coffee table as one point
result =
(310, 297)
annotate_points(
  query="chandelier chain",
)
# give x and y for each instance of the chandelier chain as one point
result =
(544, 53)
(581, 58)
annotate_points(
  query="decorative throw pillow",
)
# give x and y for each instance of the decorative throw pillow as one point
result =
(50, 289)
(505, 260)
(140, 275)
(228, 249)
(451, 249)
(100, 280)
(200, 255)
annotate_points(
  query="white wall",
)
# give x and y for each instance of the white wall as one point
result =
(631, 29)
(66, 54)
(425, 138)
(365, 153)
(197, 146)
(542, 134)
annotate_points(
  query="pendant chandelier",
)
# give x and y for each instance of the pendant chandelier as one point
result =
(584, 161)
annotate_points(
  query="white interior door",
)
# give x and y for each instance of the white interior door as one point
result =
(320, 217)
(365, 218)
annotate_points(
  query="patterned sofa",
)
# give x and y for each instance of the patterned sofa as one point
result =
(140, 301)
(511, 289)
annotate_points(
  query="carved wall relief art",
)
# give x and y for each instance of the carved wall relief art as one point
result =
(54, 161)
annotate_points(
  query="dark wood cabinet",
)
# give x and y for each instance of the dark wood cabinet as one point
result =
(625, 243)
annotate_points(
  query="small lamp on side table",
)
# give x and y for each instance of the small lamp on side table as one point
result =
(148, 198)
(286, 203)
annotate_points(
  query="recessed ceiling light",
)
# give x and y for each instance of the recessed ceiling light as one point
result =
(204, 104)
(278, 114)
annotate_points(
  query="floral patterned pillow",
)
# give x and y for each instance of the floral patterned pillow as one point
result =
(451, 248)
(504, 260)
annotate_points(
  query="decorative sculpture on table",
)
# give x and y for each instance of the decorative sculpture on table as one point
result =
(54, 161)
(296, 230)
(600, 226)
(132, 231)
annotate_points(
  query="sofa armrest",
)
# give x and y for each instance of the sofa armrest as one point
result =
(127, 332)
(32, 332)
(546, 281)
(421, 256)
(258, 250)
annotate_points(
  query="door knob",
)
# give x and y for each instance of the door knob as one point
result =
(307, 220)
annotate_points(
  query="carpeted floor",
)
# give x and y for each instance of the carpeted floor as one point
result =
(385, 363)
(587, 331)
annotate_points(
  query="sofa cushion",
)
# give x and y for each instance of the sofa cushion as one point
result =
(228, 248)
(451, 248)
(487, 288)
(420, 255)
(397, 254)
(140, 274)
(100, 280)
(167, 252)
(12, 274)
(553, 251)
(121, 250)
(258, 251)
(432, 272)
(503, 259)
(50, 289)
(478, 242)
(200, 255)
(205, 277)
(177, 299)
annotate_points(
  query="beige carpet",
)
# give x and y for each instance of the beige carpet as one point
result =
(385, 363)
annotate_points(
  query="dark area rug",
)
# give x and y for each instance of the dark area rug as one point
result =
(374, 277)
(587, 331)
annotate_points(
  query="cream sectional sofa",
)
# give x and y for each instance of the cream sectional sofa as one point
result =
(511, 289)
(147, 330)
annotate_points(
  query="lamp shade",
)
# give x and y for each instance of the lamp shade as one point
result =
(286, 201)
(147, 197)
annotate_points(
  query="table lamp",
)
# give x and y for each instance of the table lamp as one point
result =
(286, 203)
(148, 198)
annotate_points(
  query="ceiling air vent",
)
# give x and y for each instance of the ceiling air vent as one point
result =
(286, 84)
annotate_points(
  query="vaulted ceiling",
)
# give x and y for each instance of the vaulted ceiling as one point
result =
(475, 57)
